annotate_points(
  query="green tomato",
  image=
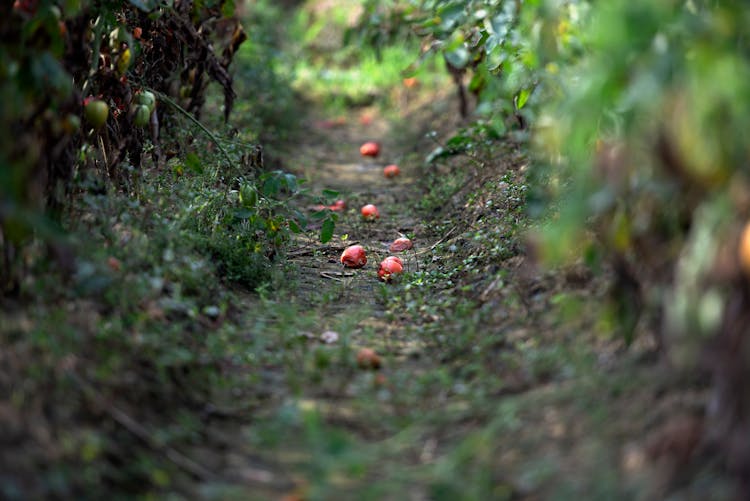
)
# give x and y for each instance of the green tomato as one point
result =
(146, 98)
(96, 113)
(248, 196)
(71, 124)
(142, 114)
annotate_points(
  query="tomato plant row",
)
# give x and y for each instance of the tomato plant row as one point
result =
(80, 81)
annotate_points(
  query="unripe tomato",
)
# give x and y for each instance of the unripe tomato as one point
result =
(142, 115)
(96, 112)
(146, 98)
(71, 124)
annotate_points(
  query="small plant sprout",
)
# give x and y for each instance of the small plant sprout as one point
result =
(370, 212)
(354, 257)
(391, 171)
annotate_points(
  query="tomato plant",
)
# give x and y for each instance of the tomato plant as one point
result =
(52, 55)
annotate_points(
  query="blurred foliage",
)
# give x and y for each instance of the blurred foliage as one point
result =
(638, 111)
(59, 56)
(496, 51)
(649, 169)
(646, 134)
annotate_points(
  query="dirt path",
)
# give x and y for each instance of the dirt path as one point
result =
(484, 392)
(360, 404)
(329, 159)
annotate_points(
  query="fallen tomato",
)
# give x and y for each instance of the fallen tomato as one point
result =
(338, 205)
(389, 267)
(400, 244)
(410, 82)
(391, 171)
(370, 212)
(114, 263)
(354, 257)
(370, 149)
(96, 112)
(368, 359)
(744, 250)
(380, 380)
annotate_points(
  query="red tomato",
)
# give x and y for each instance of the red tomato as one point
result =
(370, 149)
(354, 257)
(391, 171)
(400, 244)
(370, 212)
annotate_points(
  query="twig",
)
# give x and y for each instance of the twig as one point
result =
(432, 247)
(300, 252)
(189, 115)
(307, 251)
(483, 296)
(335, 275)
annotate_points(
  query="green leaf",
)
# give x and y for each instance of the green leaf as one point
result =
(243, 213)
(290, 181)
(330, 194)
(458, 58)
(320, 215)
(294, 226)
(193, 162)
(228, 8)
(326, 231)
(248, 196)
(299, 218)
(523, 96)
(451, 14)
(271, 187)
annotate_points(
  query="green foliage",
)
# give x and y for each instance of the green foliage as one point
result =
(504, 47)
(57, 57)
(645, 134)
(267, 105)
